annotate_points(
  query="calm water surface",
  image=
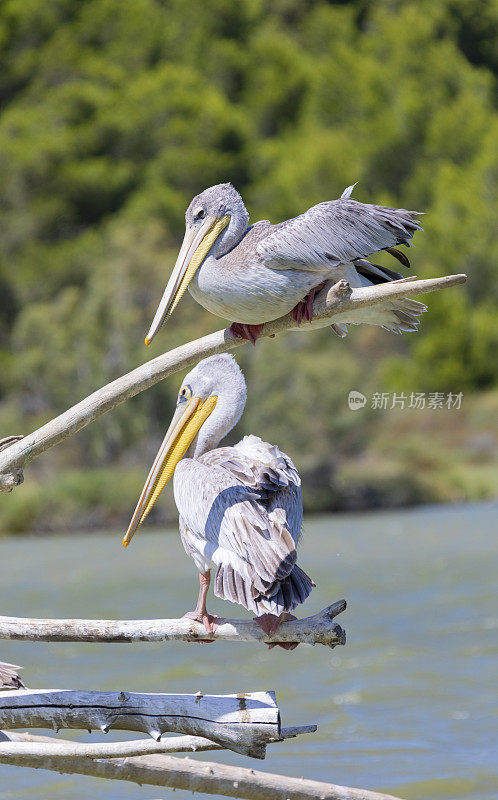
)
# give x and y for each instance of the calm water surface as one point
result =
(409, 706)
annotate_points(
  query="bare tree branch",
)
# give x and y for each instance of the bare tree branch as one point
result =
(28, 745)
(197, 776)
(330, 304)
(317, 629)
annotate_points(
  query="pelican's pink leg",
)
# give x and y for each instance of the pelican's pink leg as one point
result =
(200, 614)
(304, 309)
(270, 622)
(243, 331)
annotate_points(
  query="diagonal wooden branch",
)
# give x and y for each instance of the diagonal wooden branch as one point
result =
(244, 723)
(29, 745)
(330, 304)
(317, 629)
(198, 776)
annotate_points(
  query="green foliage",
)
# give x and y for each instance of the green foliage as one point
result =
(77, 500)
(113, 115)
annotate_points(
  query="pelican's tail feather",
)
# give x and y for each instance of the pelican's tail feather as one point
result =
(289, 593)
(283, 595)
(400, 316)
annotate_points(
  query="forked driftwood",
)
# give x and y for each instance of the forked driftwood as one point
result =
(317, 629)
(244, 723)
(331, 304)
(188, 774)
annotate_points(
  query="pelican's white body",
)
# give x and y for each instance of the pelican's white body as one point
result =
(240, 507)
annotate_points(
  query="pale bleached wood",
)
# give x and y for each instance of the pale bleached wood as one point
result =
(28, 744)
(244, 723)
(317, 629)
(199, 776)
(12, 479)
(333, 303)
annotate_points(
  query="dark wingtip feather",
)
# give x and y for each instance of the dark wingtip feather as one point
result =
(402, 258)
(283, 595)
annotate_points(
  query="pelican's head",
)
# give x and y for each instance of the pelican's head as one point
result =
(214, 222)
(210, 402)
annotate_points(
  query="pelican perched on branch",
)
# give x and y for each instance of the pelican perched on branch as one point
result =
(240, 507)
(254, 274)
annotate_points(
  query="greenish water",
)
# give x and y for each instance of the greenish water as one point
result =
(409, 706)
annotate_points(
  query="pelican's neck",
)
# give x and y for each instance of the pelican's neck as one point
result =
(232, 234)
(227, 412)
(207, 439)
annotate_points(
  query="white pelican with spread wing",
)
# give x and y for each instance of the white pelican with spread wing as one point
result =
(254, 274)
(240, 507)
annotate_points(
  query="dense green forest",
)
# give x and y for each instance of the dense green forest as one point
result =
(114, 114)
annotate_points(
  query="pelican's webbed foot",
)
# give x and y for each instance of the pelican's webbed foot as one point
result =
(210, 621)
(270, 622)
(304, 309)
(243, 331)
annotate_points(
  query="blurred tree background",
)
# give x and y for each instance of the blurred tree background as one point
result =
(113, 115)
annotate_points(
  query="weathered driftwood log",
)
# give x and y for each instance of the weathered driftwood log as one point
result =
(244, 723)
(317, 629)
(28, 744)
(331, 305)
(194, 776)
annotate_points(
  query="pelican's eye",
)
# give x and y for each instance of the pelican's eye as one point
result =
(185, 394)
(199, 213)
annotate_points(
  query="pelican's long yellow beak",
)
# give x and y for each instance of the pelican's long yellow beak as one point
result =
(184, 427)
(197, 243)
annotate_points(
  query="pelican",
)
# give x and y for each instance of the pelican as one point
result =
(254, 274)
(9, 679)
(240, 507)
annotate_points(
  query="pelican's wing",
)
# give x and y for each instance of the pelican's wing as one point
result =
(252, 524)
(337, 232)
(261, 507)
(257, 464)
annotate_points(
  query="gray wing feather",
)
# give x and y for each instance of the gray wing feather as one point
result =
(336, 232)
(271, 475)
(285, 595)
